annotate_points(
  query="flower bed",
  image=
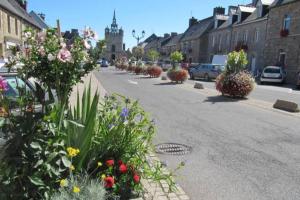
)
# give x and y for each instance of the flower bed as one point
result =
(154, 71)
(177, 75)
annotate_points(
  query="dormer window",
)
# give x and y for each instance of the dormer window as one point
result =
(287, 22)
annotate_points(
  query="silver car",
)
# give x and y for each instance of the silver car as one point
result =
(206, 71)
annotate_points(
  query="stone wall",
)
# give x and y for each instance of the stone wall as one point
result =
(290, 44)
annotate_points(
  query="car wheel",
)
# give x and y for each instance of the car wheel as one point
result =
(206, 77)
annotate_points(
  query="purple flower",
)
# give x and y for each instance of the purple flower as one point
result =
(64, 55)
(3, 84)
(124, 113)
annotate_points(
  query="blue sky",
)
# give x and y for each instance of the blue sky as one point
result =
(153, 16)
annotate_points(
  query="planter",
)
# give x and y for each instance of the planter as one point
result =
(177, 75)
(154, 71)
(284, 33)
(236, 85)
(138, 70)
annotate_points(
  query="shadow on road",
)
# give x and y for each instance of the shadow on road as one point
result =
(143, 77)
(120, 73)
(222, 99)
(165, 84)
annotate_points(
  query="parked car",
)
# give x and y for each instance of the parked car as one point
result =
(273, 74)
(166, 65)
(206, 71)
(192, 66)
(104, 63)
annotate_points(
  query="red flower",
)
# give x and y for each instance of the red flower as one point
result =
(136, 178)
(109, 182)
(110, 163)
(120, 162)
(123, 168)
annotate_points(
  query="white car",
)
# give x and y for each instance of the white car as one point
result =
(273, 74)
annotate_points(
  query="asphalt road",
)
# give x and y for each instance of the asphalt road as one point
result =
(240, 151)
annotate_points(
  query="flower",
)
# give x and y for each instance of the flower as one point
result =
(123, 168)
(72, 168)
(63, 183)
(124, 113)
(3, 84)
(51, 57)
(42, 36)
(120, 162)
(41, 51)
(72, 152)
(109, 182)
(110, 163)
(103, 176)
(27, 34)
(64, 55)
(76, 189)
(99, 164)
(136, 178)
(86, 44)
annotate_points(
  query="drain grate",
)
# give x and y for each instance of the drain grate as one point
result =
(173, 149)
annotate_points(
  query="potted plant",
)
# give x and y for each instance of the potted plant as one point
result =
(235, 81)
(176, 74)
(154, 71)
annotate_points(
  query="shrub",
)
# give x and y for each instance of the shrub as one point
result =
(139, 70)
(177, 75)
(237, 61)
(176, 57)
(80, 187)
(154, 71)
(235, 85)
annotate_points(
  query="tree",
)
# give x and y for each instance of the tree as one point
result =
(153, 55)
(237, 61)
(176, 57)
(97, 51)
(138, 52)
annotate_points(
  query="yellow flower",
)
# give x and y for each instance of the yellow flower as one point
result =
(72, 152)
(76, 189)
(103, 176)
(72, 168)
(99, 164)
(63, 183)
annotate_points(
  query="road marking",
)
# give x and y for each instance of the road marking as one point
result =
(132, 82)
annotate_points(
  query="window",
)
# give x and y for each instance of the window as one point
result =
(113, 48)
(282, 58)
(220, 42)
(16, 26)
(287, 22)
(213, 41)
(245, 36)
(228, 40)
(256, 36)
(8, 24)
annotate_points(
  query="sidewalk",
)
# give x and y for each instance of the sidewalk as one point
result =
(152, 190)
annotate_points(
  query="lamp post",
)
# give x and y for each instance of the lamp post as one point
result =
(138, 37)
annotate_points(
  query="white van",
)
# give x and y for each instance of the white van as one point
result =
(219, 60)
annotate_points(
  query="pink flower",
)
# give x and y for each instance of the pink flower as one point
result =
(64, 55)
(86, 44)
(3, 84)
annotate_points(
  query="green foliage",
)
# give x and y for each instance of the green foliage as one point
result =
(98, 50)
(89, 189)
(176, 57)
(236, 62)
(153, 55)
(34, 159)
(138, 52)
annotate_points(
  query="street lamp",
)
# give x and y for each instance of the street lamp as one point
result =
(137, 37)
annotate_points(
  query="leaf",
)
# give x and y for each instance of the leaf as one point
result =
(36, 181)
(75, 123)
(35, 145)
(38, 163)
(66, 161)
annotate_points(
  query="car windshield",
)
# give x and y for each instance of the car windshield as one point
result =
(219, 67)
(272, 70)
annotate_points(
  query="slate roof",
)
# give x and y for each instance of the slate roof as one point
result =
(174, 40)
(153, 43)
(13, 7)
(197, 30)
(282, 2)
(38, 19)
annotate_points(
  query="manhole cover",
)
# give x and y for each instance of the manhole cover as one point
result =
(173, 149)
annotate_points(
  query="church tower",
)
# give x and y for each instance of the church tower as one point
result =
(114, 41)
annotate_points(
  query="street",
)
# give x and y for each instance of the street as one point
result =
(240, 151)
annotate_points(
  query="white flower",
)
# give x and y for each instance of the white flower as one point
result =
(51, 57)
(86, 44)
(27, 34)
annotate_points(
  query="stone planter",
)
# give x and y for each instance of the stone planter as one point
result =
(177, 75)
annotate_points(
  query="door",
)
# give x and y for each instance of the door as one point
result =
(253, 65)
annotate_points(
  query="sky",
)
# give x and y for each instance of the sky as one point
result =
(152, 16)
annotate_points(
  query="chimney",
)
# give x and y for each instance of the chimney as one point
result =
(23, 4)
(173, 34)
(192, 21)
(42, 16)
(219, 11)
(166, 35)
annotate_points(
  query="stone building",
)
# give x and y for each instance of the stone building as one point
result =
(283, 37)
(115, 48)
(14, 19)
(40, 19)
(173, 44)
(194, 42)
